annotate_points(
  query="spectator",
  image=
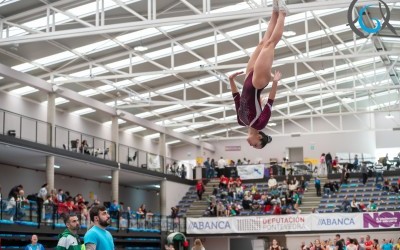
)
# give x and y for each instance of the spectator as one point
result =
(314, 211)
(317, 245)
(351, 245)
(397, 246)
(231, 183)
(34, 244)
(345, 207)
(303, 183)
(197, 245)
(322, 165)
(212, 210)
(213, 167)
(220, 209)
(15, 191)
(376, 245)
(238, 182)
(354, 206)
(355, 162)
(318, 186)
(394, 189)
(361, 245)
(327, 189)
(41, 197)
(386, 245)
(208, 168)
(98, 237)
(141, 212)
(372, 207)
(272, 183)
(345, 176)
(335, 164)
(84, 147)
(221, 166)
(275, 245)
(386, 185)
(378, 173)
(200, 189)
(69, 239)
(364, 172)
(183, 171)
(339, 243)
(368, 243)
(60, 196)
(223, 182)
(328, 161)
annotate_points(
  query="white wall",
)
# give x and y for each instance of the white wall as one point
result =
(387, 138)
(173, 194)
(32, 180)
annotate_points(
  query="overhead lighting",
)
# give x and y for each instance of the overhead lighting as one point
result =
(271, 124)
(140, 48)
(109, 177)
(56, 166)
(389, 116)
(173, 142)
(289, 33)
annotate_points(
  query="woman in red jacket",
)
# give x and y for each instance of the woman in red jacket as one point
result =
(200, 189)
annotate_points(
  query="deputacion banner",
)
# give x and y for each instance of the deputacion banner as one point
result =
(293, 223)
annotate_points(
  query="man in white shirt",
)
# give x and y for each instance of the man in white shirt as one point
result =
(221, 166)
(378, 172)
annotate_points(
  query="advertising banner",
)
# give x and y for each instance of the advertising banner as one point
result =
(248, 172)
(293, 223)
(249, 224)
(344, 221)
(153, 161)
(381, 220)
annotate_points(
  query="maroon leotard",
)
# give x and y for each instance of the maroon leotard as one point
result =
(248, 106)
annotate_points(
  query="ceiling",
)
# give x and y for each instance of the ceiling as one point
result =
(180, 81)
(28, 158)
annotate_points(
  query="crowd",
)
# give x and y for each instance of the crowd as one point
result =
(232, 197)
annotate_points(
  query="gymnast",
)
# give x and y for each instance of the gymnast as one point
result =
(258, 75)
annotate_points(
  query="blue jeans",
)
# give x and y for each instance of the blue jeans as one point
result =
(378, 175)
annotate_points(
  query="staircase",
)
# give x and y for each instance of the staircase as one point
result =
(198, 207)
(310, 199)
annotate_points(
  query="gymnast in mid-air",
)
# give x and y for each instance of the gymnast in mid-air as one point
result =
(258, 75)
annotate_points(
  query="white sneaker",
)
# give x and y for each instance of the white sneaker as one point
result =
(275, 5)
(282, 6)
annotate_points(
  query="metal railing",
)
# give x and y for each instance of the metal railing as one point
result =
(25, 212)
(25, 128)
(72, 140)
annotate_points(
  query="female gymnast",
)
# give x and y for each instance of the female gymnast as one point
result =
(258, 75)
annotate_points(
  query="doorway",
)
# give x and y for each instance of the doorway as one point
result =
(296, 154)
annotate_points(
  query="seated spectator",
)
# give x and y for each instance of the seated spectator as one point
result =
(303, 183)
(238, 182)
(394, 189)
(174, 212)
(141, 212)
(230, 211)
(246, 202)
(223, 182)
(239, 192)
(362, 207)
(345, 206)
(220, 209)
(253, 189)
(292, 186)
(212, 210)
(231, 182)
(386, 185)
(272, 183)
(237, 209)
(372, 206)
(354, 206)
(327, 189)
(276, 209)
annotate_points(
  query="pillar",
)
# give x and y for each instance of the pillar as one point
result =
(115, 184)
(163, 198)
(50, 172)
(162, 151)
(114, 138)
(51, 117)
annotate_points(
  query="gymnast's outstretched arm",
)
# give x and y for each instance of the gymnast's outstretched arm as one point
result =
(232, 77)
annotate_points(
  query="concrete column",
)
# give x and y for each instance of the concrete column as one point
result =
(115, 185)
(163, 198)
(51, 117)
(162, 151)
(50, 172)
(115, 137)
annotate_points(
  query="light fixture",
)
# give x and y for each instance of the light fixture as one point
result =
(140, 48)
(389, 116)
(289, 33)
(109, 177)
(56, 166)
(271, 124)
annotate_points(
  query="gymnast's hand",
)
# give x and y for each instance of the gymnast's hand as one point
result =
(234, 75)
(277, 75)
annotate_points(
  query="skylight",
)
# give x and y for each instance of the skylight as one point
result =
(173, 142)
(58, 101)
(152, 136)
(83, 111)
(135, 129)
(109, 123)
(23, 91)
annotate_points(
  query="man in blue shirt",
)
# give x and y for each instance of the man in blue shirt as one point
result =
(34, 244)
(386, 245)
(97, 238)
(209, 171)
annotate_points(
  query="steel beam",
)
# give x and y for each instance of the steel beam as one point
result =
(200, 18)
(92, 103)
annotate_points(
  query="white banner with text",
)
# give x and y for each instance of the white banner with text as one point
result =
(248, 172)
(293, 223)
